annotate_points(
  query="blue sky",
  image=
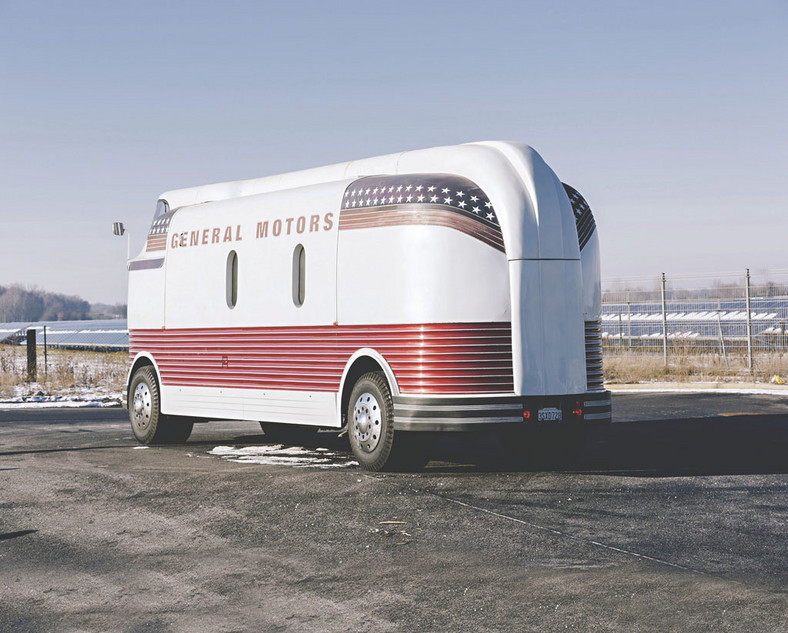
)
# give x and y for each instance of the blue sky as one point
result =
(669, 117)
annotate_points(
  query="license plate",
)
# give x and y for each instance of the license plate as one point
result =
(550, 414)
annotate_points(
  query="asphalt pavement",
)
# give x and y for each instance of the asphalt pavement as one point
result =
(673, 518)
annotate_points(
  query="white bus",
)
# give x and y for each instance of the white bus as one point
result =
(446, 289)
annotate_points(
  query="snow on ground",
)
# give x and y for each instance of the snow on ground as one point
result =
(278, 454)
(33, 396)
(66, 378)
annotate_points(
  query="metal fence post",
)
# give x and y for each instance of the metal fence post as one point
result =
(722, 338)
(629, 322)
(749, 322)
(664, 324)
(31, 354)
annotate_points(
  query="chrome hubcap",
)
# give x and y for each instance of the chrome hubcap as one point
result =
(142, 406)
(367, 422)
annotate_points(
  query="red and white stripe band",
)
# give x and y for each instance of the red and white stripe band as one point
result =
(435, 358)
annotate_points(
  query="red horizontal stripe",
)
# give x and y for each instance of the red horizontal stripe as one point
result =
(411, 215)
(426, 358)
(156, 243)
(354, 219)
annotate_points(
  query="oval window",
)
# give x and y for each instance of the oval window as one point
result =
(299, 275)
(232, 279)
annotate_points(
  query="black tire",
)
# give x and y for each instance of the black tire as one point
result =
(147, 422)
(374, 444)
(176, 430)
(370, 421)
(288, 433)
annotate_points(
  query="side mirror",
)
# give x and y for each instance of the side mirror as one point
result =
(118, 228)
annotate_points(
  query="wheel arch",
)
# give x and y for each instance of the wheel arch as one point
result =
(141, 360)
(362, 361)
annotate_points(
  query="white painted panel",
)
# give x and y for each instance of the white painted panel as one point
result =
(264, 230)
(295, 407)
(547, 327)
(146, 299)
(419, 274)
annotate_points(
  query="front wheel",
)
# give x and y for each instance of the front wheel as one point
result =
(147, 422)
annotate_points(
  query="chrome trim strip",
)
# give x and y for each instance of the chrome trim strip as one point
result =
(146, 264)
(459, 407)
(597, 403)
(456, 421)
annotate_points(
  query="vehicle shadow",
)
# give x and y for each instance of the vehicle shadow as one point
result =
(720, 445)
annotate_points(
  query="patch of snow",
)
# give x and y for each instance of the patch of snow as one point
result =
(32, 396)
(4, 404)
(279, 455)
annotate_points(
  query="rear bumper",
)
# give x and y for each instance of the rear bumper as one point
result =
(597, 407)
(413, 413)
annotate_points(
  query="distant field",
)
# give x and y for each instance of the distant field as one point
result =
(65, 372)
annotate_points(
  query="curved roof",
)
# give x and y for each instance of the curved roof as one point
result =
(535, 213)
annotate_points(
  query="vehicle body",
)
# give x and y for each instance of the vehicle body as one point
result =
(460, 284)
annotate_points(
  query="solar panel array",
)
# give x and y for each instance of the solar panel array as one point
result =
(107, 335)
(699, 323)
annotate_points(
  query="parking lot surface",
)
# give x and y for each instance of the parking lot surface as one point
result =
(672, 519)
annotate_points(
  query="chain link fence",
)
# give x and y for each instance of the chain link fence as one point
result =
(739, 320)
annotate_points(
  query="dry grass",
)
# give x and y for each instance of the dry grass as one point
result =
(66, 371)
(628, 368)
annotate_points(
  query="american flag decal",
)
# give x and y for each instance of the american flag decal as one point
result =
(157, 236)
(421, 199)
(584, 219)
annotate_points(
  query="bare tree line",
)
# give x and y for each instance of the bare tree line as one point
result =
(19, 304)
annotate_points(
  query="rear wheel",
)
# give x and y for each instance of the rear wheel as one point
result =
(370, 419)
(370, 423)
(148, 423)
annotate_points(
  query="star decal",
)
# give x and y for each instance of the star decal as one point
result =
(449, 192)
